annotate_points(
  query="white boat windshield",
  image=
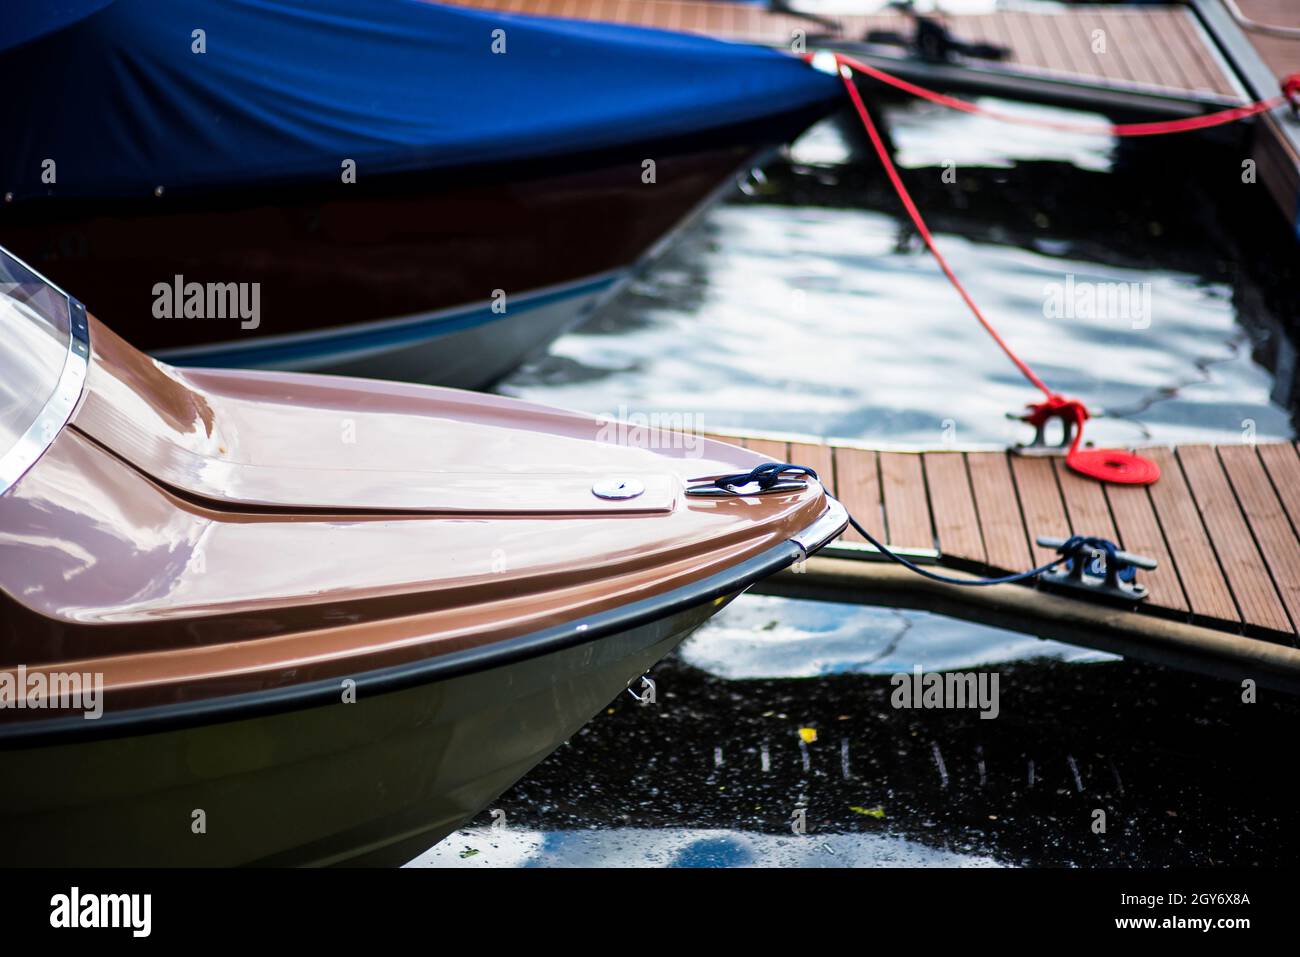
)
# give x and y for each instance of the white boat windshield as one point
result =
(42, 365)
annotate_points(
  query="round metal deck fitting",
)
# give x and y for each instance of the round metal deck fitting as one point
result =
(618, 488)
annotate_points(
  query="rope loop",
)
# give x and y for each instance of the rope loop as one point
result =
(765, 476)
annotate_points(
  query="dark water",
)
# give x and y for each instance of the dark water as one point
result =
(1185, 772)
(805, 304)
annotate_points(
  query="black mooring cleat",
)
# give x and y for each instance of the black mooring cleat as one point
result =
(1103, 573)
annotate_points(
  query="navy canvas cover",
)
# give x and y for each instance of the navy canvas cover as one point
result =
(114, 92)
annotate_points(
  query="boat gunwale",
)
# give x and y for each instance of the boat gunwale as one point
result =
(250, 704)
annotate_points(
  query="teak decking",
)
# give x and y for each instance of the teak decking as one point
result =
(1222, 522)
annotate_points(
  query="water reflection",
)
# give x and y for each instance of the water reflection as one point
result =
(767, 637)
(815, 286)
(485, 846)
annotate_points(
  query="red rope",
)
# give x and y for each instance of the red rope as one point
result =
(1104, 464)
(1290, 93)
(915, 214)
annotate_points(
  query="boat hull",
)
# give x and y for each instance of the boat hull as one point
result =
(372, 782)
(469, 347)
(448, 279)
(270, 617)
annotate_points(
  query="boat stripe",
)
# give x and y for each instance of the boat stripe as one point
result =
(373, 337)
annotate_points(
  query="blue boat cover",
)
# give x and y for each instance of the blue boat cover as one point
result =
(127, 95)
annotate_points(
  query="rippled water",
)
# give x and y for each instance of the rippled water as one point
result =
(805, 304)
(811, 307)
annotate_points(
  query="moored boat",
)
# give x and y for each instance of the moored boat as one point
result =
(254, 617)
(395, 189)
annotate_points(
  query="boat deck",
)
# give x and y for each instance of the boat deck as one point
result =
(1222, 523)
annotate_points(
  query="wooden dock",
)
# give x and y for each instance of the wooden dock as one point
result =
(1154, 58)
(1222, 522)
(1135, 62)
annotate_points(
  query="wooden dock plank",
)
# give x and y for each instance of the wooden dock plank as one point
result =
(1162, 54)
(956, 523)
(818, 457)
(649, 17)
(777, 451)
(1182, 42)
(1116, 58)
(1047, 38)
(1186, 38)
(709, 17)
(676, 17)
(1247, 574)
(857, 476)
(1105, 61)
(907, 510)
(1189, 544)
(1040, 503)
(1003, 526)
(1138, 531)
(1027, 46)
(1128, 43)
(1071, 42)
(1188, 70)
(1086, 507)
(1283, 464)
(1268, 523)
